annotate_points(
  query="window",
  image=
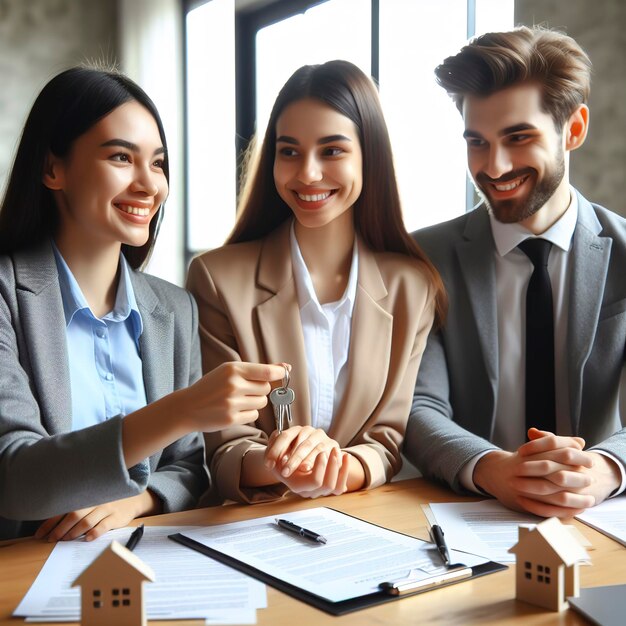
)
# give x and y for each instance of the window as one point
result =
(543, 572)
(399, 42)
(210, 93)
(424, 125)
(300, 35)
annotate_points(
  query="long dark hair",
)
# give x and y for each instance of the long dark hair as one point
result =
(68, 106)
(377, 212)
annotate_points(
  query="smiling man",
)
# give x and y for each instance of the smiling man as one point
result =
(518, 395)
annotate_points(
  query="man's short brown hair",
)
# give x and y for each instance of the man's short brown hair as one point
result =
(495, 61)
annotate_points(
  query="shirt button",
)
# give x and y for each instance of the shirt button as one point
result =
(100, 332)
(109, 376)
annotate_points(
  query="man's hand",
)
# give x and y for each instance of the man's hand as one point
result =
(542, 477)
(95, 521)
(548, 476)
(604, 476)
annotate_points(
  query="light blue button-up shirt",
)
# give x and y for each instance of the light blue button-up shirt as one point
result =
(106, 372)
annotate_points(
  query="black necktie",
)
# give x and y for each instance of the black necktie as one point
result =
(540, 402)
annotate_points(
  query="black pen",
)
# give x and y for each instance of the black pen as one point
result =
(133, 540)
(436, 534)
(298, 530)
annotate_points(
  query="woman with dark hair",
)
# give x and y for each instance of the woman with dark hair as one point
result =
(320, 273)
(98, 423)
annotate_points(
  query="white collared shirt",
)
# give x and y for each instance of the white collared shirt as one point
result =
(326, 329)
(513, 270)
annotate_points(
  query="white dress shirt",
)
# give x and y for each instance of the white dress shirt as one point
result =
(326, 329)
(513, 270)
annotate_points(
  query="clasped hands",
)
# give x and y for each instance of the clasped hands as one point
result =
(549, 475)
(304, 458)
(308, 461)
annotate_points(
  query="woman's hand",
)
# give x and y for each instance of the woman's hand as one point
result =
(95, 521)
(308, 461)
(328, 476)
(231, 394)
(297, 448)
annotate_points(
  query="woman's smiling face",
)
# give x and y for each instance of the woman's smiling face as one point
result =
(112, 182)
(318, 165)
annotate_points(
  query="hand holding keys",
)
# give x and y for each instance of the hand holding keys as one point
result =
(282, 398)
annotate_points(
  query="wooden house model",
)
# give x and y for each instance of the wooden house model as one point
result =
(112, 588)
(547, 561)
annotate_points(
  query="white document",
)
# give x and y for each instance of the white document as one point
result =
(356, 558)
(609, 518)
(188, 585)
(487, 528)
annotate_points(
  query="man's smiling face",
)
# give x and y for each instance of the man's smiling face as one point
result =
(515, 154)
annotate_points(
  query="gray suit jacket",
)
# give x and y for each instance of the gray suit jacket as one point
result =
(453, 412)
(45, 469)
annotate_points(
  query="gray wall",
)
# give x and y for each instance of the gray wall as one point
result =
(599, 167)
(38, 39)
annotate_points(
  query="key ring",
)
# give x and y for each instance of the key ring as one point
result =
(286, 377)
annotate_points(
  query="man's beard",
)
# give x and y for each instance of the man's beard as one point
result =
(515, 210)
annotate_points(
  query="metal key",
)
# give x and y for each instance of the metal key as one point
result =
(282, 398)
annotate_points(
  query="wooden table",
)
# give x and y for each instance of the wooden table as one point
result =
(487, 600)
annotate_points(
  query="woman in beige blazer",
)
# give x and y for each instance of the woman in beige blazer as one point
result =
(321, 274)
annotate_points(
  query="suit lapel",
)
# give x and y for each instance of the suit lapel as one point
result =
(590, 262)
(43, 321)
(156, 340)
(279, 318)
(370, 351)
(476, 261)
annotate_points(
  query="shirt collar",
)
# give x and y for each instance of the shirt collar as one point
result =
(508, 236)
(74, 300)
(304, 284)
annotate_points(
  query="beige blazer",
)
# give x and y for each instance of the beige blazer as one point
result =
(248, 310)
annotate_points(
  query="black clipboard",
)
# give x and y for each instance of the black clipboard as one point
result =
(333, 608)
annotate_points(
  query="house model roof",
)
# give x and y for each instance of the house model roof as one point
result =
(557, 537)
(113, 555)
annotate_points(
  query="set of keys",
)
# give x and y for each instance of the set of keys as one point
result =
(282, 398)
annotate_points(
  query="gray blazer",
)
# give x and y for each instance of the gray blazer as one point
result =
(453, 412)
(45, 469)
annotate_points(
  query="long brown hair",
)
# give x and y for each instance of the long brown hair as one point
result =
(377, 212)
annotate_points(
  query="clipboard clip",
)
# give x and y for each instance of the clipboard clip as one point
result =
(413, 585)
